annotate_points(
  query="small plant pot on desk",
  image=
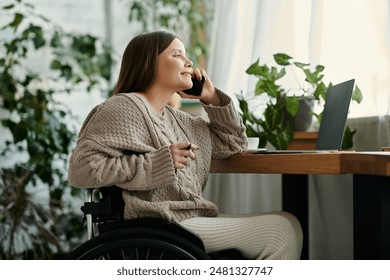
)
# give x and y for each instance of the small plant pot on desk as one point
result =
(304, 117)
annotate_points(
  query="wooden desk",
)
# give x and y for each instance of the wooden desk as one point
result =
(371, 186)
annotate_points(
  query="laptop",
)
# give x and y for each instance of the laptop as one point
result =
(333, 122)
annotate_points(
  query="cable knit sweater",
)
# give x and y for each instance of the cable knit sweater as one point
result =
(124, 142)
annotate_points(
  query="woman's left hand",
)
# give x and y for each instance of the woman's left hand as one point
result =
(182, 153)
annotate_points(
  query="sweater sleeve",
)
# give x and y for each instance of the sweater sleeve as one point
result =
(90, 166)
(226, 127)
(115, 148)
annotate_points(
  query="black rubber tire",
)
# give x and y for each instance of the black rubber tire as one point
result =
(138, 244)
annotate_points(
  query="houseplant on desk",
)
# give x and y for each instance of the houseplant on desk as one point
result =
(278, 122)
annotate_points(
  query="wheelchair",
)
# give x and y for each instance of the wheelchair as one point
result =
(110, 237)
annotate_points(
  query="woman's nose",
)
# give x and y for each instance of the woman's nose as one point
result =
(189, 63)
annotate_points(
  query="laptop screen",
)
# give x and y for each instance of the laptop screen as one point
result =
(334, 116)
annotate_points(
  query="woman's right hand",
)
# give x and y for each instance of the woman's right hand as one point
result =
(182, 153)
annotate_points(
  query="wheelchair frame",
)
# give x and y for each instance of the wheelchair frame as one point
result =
(112, 237)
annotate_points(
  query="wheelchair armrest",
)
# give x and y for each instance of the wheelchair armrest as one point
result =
(108, 208)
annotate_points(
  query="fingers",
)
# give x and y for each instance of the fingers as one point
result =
(198, 73)
(185, 150)
(191, 147)
(182, 153)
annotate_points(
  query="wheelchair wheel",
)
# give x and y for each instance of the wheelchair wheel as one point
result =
(138, 244)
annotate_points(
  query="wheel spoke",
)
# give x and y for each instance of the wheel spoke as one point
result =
(133, 249)
(147, 254)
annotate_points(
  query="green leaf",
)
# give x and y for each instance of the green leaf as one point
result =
(260, 87)
(8, 7)
(271, 88)
(320, 91)
(37, 36)
(254, 69)
(55, 64)
(348, 138)
(310, 77)
(292, 105)
(318, 116)
(282, 59)
(275, 74)
(19, 133)
(55, 41)
(250, 131)
(243, 104)
(66, 72)
(281, 138)
(85, 44)
(273, 116)
(319, 68)
(17, 20)
(249, 120)
(301, 65)
(263, 139)
(357, 95)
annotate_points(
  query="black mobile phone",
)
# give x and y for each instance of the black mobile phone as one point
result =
(197, 86)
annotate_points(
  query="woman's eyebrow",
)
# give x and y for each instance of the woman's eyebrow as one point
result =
(178, 50)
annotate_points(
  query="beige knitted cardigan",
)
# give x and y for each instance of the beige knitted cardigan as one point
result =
(124, 142)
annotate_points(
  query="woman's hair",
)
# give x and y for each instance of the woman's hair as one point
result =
(139, 61)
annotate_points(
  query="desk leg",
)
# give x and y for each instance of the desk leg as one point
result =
(371, 199)
(295, 201)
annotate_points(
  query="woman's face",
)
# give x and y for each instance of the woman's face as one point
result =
(174, 69)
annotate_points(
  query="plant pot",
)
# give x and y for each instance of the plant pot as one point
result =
(303, 119)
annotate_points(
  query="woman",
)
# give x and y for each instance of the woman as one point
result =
(161, 157)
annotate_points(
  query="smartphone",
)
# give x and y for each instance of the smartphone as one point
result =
(197, 86)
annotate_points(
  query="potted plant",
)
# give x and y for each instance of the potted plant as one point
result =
(285, 108)
(38, 216)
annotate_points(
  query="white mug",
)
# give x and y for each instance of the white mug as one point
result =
(253, 143)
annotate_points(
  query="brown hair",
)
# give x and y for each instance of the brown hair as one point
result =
(139, 61)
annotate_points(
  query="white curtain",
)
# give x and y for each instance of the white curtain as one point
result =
(351, 39)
